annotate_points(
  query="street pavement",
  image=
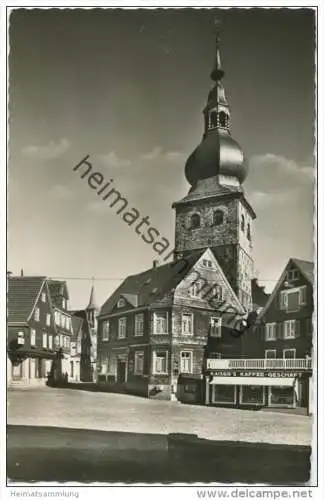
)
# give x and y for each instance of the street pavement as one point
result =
(124, 413)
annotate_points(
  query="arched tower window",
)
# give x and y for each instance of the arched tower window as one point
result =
(223, 119)
(242, 222)
(213, 119)
(248, 232)
(218, 218)
(195, 221)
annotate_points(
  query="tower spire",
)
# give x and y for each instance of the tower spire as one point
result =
(217, 72)
(92, 300)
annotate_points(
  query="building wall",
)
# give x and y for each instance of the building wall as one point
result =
(255, 342)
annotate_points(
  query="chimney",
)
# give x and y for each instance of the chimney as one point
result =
(155, 263)
(22, 273)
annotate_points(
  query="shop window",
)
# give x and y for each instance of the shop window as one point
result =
(252, 394)
(225, 394)
(281, 396)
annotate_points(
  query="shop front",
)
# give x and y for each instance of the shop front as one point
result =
(254, 389)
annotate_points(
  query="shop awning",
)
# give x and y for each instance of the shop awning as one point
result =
(270, 381)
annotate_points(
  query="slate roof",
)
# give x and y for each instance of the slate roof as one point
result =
(22, 295)
(259, 296)
(151, 285)
(76, 326)
(307, 269)
(55, 288)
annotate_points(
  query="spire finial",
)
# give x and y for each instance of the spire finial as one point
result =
(217, 73)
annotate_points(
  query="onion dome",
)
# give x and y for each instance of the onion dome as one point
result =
(218, 154)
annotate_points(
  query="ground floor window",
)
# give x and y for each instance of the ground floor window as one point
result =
(281, 396)
(139, 363)
(224, 394)
(252, 394)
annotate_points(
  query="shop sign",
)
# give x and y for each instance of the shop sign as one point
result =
(256, 374)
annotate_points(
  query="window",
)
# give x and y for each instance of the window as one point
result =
(139, 325)
(121, 303)
(195, 221)
(270, 331)
(292, 299)
(289, 353)
(57, 318)
(292, 275)
(122, 328)
(303, 295)
(213, 119)
(44, 340)
(68, 342)
(194, 290)
(248, 232)
(57, 341)
(223, 120)
(270, 354)
(68, 323)
(160, 322)
(242, 222)
(216, 327)
(186, 362)
(290, 329)
(43, 297)
(48, 319)
(50, 342)
(32, 336)
(62, 321)
(36, 314)
(160, 362)
(139, 363)
(62, 343)
(217, 292)
(105, 330)
(20, 338)
(207, 263)
(187, 324)
(218, 218)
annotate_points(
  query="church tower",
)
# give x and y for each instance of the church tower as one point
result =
(92, 310)
(215, 213)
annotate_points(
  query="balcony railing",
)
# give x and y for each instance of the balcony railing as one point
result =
(259, 364)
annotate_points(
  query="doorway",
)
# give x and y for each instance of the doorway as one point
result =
(121, 371)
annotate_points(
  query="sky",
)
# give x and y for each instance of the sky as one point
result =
(127, 88)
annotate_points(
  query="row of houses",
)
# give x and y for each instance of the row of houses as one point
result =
(46, 340)
(159, 337)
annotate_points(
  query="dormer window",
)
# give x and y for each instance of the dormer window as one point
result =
(195, 221)
(242, 222)
(218, 218)
(121, 303)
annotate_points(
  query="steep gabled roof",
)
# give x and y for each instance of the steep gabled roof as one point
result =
(23, 291)
(151, 285)
(92, 301)
(76, 326)
(305, 267)
(57, 287)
